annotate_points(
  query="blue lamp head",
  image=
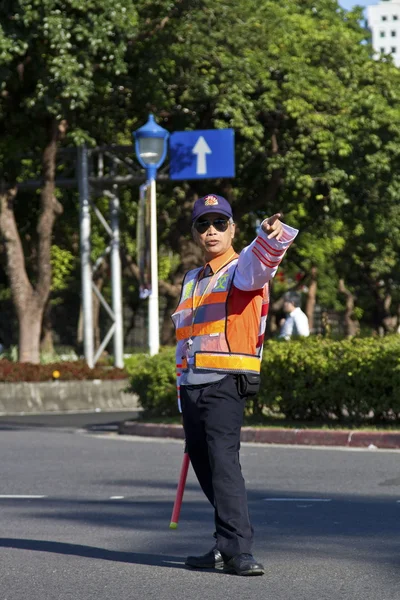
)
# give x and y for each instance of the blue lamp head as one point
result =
(151, 146)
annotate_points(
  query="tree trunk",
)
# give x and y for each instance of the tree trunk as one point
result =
(351, 326)
(23, 295)
(389, 321)
(30, 302)
(311, 297)
(383, 320)
(30, 324)
(46, 344)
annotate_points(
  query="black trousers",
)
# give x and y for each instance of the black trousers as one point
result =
(212, 419)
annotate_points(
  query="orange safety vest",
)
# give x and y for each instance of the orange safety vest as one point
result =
(201, 324)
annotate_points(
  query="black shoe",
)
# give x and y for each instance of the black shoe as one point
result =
(211, 560)
(244, 564)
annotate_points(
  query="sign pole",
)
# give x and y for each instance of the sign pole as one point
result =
(154, 323)
(151, 149)
(116, 287)
(86, 268)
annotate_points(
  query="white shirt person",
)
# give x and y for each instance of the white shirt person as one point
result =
(296, 322)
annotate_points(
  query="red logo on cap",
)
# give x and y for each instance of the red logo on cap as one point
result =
(210, 201)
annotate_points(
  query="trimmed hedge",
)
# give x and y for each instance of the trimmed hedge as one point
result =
(354, 380)
(62, 371)
(311, 379)
(153, 379)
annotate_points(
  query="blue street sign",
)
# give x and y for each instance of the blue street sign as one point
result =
(202, 154)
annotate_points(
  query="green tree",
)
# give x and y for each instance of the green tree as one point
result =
(57, 58)
(311, 109)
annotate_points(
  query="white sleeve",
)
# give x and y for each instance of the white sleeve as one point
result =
(259, 261)
(302, 326)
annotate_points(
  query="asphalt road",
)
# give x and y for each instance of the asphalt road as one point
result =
(327, 521)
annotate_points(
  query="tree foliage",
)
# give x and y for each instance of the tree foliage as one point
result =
(315, 119)
(316, 123)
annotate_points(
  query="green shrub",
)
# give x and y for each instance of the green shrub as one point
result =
(311, 379)
(133, 362)
(154, 381)
(60, 354)
(316, 378)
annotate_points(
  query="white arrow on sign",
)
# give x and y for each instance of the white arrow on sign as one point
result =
(201, 148)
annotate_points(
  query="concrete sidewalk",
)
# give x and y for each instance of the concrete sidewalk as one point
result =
(306, 437)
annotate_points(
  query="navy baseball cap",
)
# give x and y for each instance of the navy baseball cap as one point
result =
(211, 204)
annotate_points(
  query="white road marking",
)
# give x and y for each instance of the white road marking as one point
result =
(21, 496)
(117, 497)
(297, 499)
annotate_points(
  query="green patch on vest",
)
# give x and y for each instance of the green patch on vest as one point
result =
(188, 290)
(222, 283)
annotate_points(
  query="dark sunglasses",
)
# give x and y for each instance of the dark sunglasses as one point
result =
(219, 224)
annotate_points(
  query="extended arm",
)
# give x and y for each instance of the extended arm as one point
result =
(259, 261)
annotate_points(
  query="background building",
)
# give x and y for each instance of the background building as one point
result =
(384, 22)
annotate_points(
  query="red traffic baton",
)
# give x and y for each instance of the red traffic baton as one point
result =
(179, 492)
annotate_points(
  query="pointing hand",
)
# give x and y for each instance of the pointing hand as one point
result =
(273, 227)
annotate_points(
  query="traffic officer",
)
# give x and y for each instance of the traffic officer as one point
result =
(220, 324)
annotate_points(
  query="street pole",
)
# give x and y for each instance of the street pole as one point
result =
(116, 282)
(154, 323)
(151, 149)
(86, 268)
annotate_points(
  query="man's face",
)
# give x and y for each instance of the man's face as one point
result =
(214, 234)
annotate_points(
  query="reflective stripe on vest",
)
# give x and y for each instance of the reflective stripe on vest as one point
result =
(228, 363)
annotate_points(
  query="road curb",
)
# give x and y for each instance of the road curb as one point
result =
(63, 396)
(304, 437)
